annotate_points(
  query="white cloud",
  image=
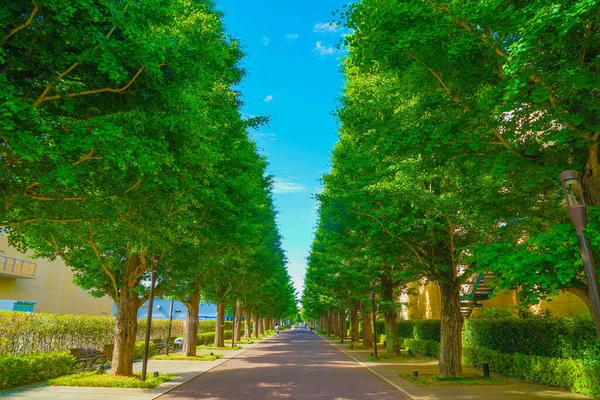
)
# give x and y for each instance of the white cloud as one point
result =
(266, 136)
(292, 36)
(265, 40)
(324, 50)
(287, 185)
(268, 99)
(326, 27)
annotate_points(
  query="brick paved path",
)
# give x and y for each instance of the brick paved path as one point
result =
(296, 365)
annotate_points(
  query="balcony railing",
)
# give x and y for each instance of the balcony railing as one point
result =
(17, 268)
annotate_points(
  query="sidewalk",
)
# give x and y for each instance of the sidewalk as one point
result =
(514, 389)
(185, 370)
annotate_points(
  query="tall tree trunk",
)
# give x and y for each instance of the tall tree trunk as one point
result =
(238, 321)
(392, 339)
(247, 333)
(220, 325)
(354, 325)
(336, 323)
(256, 325)
(125, 332)
(450, 364)
(367, 327)
(190, 327)
(590, 178)
(342, 316)
(328, 323)
(263, 326)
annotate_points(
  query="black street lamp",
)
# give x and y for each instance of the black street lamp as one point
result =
(155, 261)
(578, 212)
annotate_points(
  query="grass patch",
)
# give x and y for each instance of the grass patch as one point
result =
(103, 379)
(245, 341)
(206, 347)
(180, 357)
(467, 380)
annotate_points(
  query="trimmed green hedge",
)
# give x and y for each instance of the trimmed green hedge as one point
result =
(21, 370)
(421, 329)
(25, 333)
(138, 351)
(209, 337)
(541, 336)
(575, 375)
(427, 347)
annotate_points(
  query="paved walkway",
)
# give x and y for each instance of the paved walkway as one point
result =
(296, 365)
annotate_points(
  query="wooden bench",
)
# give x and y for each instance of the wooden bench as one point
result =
(161, 345)
(88, 358)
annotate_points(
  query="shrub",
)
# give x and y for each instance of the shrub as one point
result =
(211, 326)
(209, 337)
(575, 375)
(406, 328)
(20, 370)
(426, 347)
(138, 352)
(534, 336)
(25, 333)
(159, 329)
(542, 336)
(427, 329)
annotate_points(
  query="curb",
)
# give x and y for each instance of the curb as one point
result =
(221, 361)
(400, 388)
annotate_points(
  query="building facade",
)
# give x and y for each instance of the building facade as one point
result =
(48, 284)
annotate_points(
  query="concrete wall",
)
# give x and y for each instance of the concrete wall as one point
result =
(52, 288)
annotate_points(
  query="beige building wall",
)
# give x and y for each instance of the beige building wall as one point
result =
(423, 301)
(52, 288)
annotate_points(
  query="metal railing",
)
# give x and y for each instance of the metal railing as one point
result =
(17, 267)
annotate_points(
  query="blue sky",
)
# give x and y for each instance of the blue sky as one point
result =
(293, 76)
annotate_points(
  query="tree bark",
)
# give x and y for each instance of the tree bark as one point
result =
(367, 327)
(238, 321)
(263, 326)
(450, 364)
(125, 332)
(392, 340)
(354, 325)
(336, 323)
(247, 333)
(190, 331)
(220, 326)
(256, 325)
(590, 178)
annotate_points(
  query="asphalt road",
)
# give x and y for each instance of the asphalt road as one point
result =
(295, 365)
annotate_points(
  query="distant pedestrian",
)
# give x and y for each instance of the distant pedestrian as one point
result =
(277, 329)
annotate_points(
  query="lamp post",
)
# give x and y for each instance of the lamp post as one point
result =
(155, 261)
(374, 322)
(578, 212)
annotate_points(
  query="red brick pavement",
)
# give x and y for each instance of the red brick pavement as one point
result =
(296, 365)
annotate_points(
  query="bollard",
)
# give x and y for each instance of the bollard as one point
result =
(486, 370)
(415, 374)
(352, 346)
(156, 374)
(211, 353)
